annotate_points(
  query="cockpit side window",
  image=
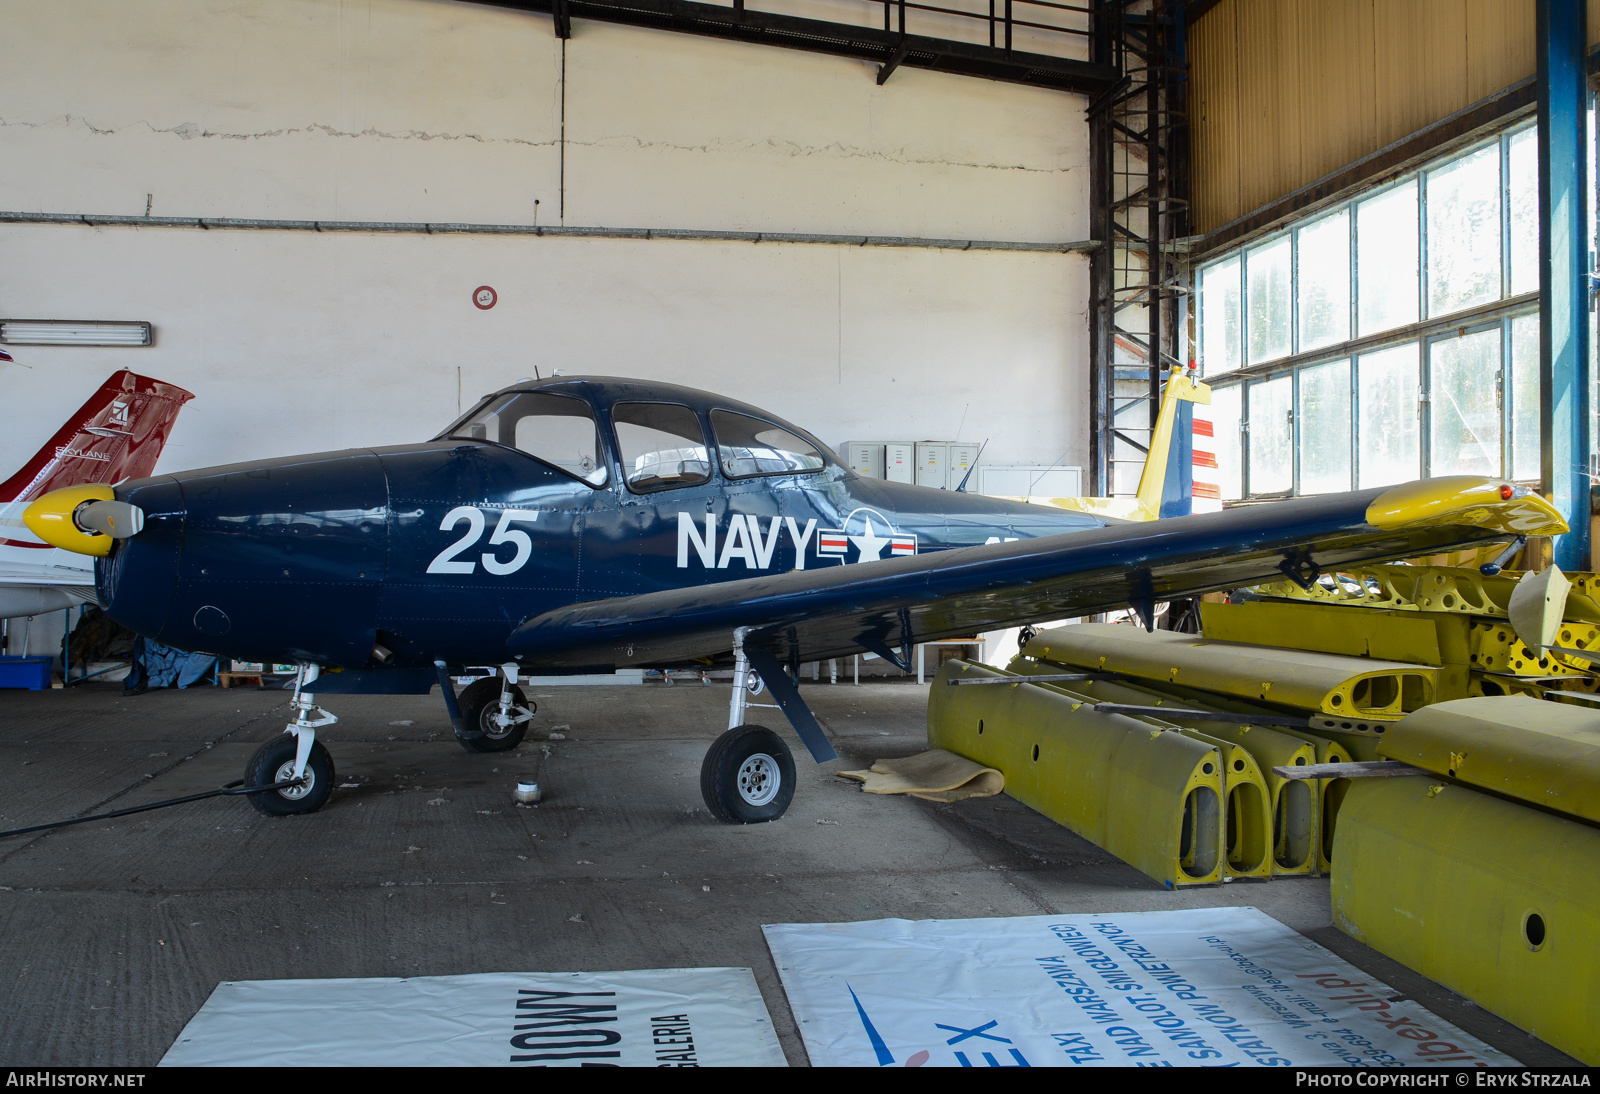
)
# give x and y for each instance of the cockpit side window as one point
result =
(750, 446)
(661, 446)
(557, 429)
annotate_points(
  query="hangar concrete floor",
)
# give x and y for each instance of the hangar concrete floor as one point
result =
(116, 932)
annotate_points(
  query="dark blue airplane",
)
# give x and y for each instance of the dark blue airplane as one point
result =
(581, 525)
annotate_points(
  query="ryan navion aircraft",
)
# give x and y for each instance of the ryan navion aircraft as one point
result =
(581, 525)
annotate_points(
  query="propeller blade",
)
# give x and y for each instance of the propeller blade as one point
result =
(116, 519)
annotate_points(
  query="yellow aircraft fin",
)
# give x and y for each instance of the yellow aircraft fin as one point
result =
(1180, 388)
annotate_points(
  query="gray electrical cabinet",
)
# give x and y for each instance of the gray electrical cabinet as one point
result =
(865, 458)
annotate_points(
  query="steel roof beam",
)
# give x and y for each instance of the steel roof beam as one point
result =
(879, 47)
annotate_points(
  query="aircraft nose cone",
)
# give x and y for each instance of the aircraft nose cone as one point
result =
(83, 519)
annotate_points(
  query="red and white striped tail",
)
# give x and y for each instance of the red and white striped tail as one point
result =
(1207, 483)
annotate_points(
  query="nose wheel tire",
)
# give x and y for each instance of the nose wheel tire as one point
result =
(274, 762)
(480, 703)
(747, 776)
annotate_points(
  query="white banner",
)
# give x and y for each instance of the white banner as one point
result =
(1197, 987)
(646, 1018)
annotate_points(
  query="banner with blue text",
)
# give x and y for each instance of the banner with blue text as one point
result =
(1195, 987)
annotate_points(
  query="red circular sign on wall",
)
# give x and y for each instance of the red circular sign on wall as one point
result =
(484, 297)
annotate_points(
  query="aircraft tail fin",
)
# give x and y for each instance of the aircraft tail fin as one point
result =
(1168, 468)
(117, 434)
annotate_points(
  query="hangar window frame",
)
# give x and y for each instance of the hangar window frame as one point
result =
(1224, 299)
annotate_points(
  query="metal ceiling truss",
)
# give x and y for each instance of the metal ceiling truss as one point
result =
(889, 48)
(1139, 186)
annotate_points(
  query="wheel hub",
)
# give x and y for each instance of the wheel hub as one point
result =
(294, 793)
(759, 779)
(494, 724)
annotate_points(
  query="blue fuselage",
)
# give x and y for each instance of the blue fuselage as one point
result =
(437, 551)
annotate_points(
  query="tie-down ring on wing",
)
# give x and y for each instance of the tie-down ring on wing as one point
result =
(807, 615)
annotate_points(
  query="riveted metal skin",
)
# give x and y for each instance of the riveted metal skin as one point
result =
(1495, 900)
(1150, 796)
(326, 558)
(1313, 682)
(1474, 652)
(1293, 805)
(1544, 753)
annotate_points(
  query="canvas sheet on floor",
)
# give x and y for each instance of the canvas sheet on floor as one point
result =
(647, 1018)
(1203, 986)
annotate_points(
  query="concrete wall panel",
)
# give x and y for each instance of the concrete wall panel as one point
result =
(299, 342)
(675, 132)
(422, 110)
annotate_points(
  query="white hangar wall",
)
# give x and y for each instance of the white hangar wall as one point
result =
(420, 110)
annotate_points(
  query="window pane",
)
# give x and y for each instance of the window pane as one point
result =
(1220, 310)
(1464, 430)
(1464, 232)
(1323, 282)
(750, 446)
(1525, 397)
(1387, 424)
(557, 429)
(1270, 436)
(1524, 198)
(1225, 425)
(1267, 269)
(661, 445)
(1325, 428)
(1386, 259)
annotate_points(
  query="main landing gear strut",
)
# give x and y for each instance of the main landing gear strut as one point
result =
(494, 714)
(747, 776)
(748, 773)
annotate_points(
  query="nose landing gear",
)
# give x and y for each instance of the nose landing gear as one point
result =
(296, 754)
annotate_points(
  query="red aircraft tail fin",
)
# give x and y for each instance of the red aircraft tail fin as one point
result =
(117, 434)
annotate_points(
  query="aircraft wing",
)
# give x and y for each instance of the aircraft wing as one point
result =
(21, 574)
(884, 606)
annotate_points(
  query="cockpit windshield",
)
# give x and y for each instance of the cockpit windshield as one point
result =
(556, 429)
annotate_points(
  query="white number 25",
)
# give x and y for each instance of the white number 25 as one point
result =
(446, 562)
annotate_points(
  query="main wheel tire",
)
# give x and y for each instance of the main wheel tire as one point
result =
(747, 776)
(480, 702)
(273, 762)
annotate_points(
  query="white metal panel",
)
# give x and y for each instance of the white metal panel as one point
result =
(865, 458)
(962, 457)
(1039, 482)
(899, 462)
(933, 459)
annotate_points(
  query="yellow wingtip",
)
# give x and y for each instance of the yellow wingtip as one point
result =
(1466, 499)
(50, 518)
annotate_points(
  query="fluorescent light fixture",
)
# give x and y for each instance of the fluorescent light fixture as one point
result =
(73, 332)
